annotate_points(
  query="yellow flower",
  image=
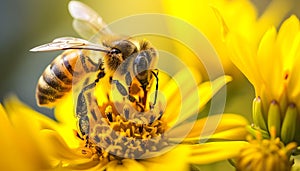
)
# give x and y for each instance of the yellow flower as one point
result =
(240, 15)
(243, 18)
(21, 149)
(171, 142)
(268, 60)
(271, 67)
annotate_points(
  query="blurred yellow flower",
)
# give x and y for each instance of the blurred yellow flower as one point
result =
(163, 144)
(271, 67)
(21, 149)
(240, 15)
(265, 154)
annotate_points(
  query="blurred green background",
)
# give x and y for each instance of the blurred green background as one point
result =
(25, 24)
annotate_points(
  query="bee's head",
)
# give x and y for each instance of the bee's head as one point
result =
(137, 56)
(125, 48)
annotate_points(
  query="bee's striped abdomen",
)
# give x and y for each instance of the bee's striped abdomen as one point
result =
(57, 79)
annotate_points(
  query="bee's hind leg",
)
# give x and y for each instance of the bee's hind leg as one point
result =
(82, 104)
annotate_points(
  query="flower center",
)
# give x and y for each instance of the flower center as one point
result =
(265, 154)
(124, 132)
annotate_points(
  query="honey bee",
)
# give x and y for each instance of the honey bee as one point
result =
(130, 59)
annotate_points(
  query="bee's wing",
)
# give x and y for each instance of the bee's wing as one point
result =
(87, 22)
(64, 43)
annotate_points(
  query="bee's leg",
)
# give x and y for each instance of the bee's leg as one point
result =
(156, 88)
(133, 99)
(84, 125)
(82, 104)
(95, 66)
(128, 78)
(120, 87)
(122, 90)
(82, 137)
(81, 107)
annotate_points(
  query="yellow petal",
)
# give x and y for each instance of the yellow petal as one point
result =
(127, 165)
(209, 126)
(242, 52)
(215, 151)
(289, 42)
(27, 119)
(292, 60)
(286, 37)
(21, 143)
(199, 14)
(27, 123)
(176, 159)
(273, 14)
(9, 146)
(294, 81)
(84, 164)
(271, 72)
(173, 97)
(178, 92)
(20, 113)
(5, 125)
(194, 100)
(64, 112)
(208, 89)
(238, 133)
(56, 146)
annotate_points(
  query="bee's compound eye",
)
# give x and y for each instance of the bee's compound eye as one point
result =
(140, 64)
(115, 51)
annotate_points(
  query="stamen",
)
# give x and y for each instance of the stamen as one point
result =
(128, 134)
(263, 154)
